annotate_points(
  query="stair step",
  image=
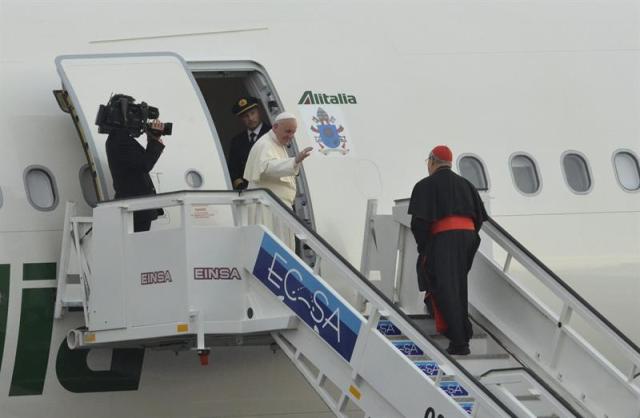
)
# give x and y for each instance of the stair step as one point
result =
(454, 389)
(445, 377)
(396, 337)
(73, 295)
(387, 328)
(477, 364)
(528, 398)
(480, 343)
(538, 407)
(467, 406)
(492, 356)
(464, 399)
(418, 358)
(438, 337)
(430, 368)
(408, 347)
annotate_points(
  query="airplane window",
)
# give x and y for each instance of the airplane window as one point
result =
(576, 172)
(627, 170)
(472, 169)
(41, 189)
(194, 179)
(87, 186)
(525, 174)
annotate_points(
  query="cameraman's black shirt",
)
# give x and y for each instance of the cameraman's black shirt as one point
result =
(130, 164)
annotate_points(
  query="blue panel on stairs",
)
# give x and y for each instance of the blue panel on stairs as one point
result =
(453, 389)
(408, 348)
(387, 328)
(318, 305)
(467, 406)
(430, 368)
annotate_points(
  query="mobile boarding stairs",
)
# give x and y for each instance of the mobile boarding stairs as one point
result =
(212, 271)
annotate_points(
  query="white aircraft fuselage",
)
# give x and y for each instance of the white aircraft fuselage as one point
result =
(491, 79)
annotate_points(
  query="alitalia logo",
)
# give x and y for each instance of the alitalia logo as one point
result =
(311, 98)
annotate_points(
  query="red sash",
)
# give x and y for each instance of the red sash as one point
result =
(451, 223)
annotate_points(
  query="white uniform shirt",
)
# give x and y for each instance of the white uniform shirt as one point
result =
(256, 132)
(270, 167)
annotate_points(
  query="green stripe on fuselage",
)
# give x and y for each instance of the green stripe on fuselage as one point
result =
(4, 305)
(39, 271)
(75, 376)
(34, 340)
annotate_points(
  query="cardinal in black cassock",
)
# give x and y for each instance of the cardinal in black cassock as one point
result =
(447, 214)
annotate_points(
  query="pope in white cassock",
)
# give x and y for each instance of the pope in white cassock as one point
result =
(270, 167)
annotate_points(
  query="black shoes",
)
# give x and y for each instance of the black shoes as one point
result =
(458, 350)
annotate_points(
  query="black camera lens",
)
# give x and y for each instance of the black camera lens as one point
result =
(168, 127)
(152, 112)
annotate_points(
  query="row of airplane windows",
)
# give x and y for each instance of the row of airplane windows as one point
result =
(42, 192)
(575, 168)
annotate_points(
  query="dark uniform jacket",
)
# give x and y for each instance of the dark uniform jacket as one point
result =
(239, 151)
(130, 164)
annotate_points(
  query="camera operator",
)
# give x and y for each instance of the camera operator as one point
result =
(130, 164)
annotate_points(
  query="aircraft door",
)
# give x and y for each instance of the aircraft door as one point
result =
(192, 158)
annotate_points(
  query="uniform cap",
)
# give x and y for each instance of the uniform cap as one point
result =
(243, 104)
(442, 153)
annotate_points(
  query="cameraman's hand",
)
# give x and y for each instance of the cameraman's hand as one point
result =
(156, 126)
(303, 154)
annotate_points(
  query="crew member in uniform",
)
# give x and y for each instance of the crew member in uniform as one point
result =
(247, 109)
(447, 214)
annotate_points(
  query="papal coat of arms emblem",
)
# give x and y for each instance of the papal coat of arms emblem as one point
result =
(328, 134)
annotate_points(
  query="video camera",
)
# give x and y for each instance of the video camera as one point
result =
(121, 112)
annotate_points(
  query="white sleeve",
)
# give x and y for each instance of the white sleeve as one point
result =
(277, 168)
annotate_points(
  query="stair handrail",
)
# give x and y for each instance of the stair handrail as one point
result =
(388, 304)
(525, 369)
(539, 381)
(561, 289)
(401, 320)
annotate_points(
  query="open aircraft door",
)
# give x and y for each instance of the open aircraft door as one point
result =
(192, 157)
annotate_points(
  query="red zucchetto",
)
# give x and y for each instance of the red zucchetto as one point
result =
(442, 153)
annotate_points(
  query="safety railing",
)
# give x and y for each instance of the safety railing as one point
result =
(262, 206)
(519, 306)
(600, 385)
(531, 386)
(573, 302)
(254, 205)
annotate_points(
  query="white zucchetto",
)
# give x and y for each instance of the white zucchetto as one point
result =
(284, 116)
